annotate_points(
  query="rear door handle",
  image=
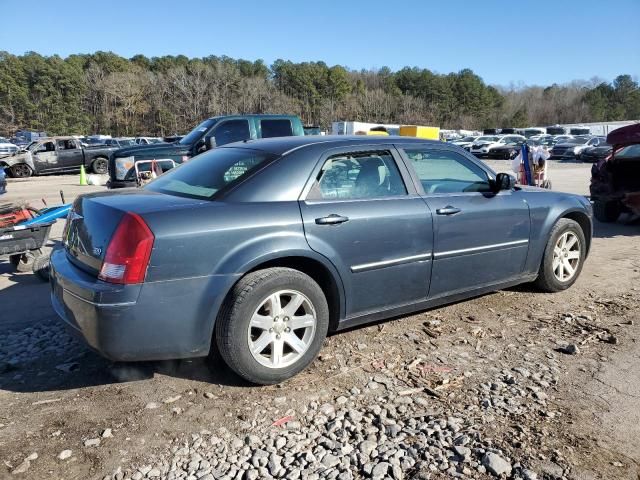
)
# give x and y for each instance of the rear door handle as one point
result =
(448, 210)
(333, 219)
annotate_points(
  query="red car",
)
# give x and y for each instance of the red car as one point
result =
(615, 180)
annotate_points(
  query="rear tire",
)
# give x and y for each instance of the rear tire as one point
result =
(562, 262)
(23, 262)
(20, 170)
(606, 212)
(100, 166)
(246, 322)
(41, 267)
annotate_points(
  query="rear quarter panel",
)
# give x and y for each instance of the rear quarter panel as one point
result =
(214, 244)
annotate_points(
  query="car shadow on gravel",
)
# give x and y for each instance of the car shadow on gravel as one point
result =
(90, 370)
(626, 226)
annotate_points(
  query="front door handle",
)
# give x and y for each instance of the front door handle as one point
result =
(333, 219)
(448, 210)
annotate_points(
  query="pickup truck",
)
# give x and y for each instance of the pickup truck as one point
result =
(56, 155)
(215, 131)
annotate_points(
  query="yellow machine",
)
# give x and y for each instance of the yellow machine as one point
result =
(418, 131)
(375, 132)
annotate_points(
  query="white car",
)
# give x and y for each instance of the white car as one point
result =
(464, 142)
(147, 140)
(7, 148)
(481, 147)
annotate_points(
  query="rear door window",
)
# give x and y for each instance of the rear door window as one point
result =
(232, 131)
(358, 175)
(276, 128)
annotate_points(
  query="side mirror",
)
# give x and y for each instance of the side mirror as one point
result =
(504, 181)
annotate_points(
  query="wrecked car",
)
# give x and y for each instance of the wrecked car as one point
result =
(615, 179)
(57, 155)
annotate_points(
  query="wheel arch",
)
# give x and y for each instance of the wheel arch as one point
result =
(320, 273)
(584, 221)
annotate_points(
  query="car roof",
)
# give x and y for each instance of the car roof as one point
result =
(67, 137)
(282, 145)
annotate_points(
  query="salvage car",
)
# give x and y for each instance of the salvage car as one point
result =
(481, 148)
(594, 154)
(257, 249)
(120, 142)
(7, 148)
(57, 155)
(615, 179)
(572, 148)
(215, 131)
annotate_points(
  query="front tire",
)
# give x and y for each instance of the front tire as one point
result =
(20, 170)
(563, 257)
(272, 325)
(100, 166)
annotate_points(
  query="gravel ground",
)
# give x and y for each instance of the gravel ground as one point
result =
(515, 384)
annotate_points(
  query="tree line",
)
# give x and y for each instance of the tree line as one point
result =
(106, 93)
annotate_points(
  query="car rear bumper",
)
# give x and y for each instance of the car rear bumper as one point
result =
(150, 321)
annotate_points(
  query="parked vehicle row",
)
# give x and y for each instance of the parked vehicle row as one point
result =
(572, 148)
(563, 147)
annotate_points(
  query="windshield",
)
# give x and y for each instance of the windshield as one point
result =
(32, 146)
(126, 143)
(466, 139)
(208, 173)
(577, 141)
(195, 134)
(487, 139)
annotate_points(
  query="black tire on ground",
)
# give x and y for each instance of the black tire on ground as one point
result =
(20, 170)
(41, 267)
(547, 281)
(23, 262)
(100, 166)
(606, 212)
(232, 324)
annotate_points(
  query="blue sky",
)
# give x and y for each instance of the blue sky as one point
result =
(531, 42)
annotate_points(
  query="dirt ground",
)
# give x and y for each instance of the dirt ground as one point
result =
(579, 419)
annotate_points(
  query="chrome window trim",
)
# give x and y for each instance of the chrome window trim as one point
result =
(388, 263)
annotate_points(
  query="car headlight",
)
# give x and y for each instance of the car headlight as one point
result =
(123, 165)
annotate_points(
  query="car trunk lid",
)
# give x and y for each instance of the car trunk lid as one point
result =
(94, 218)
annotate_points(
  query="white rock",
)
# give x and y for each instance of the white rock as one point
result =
(65, 454)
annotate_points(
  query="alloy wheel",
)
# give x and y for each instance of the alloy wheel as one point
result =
(566, 256)
(282, 329)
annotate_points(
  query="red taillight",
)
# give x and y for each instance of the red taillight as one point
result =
(128, 252)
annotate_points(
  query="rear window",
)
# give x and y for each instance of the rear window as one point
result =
(631, 151)
(276, 128)
(210, 172)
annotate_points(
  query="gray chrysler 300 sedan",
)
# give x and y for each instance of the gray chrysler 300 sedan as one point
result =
(264, 246)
